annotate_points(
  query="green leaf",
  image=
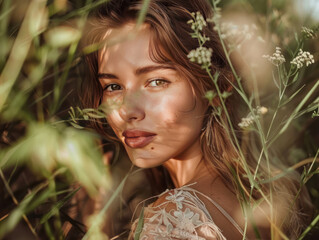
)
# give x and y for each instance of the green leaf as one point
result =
(28, 204)
(95, 115)
(56, 207)
(216, 76)
(291, 97)
(139, 226)
(106, 206)
(210, 95)
(312, 225)
(76, 125)
(295, 78)
(72, 114)
(86, 110)
(226, 94)
(296, 111)
(79, 110)
(275, 81)
(62, 36)
(143, 12)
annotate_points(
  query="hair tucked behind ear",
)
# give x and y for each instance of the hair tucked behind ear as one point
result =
(171, 42)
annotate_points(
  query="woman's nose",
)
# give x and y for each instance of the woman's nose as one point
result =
(132, 108)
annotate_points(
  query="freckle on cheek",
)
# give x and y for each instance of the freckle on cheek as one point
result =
(152, 148)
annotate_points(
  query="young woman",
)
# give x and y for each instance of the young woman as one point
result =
(156, 108)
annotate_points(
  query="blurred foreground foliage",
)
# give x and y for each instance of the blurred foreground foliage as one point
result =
(46, 151)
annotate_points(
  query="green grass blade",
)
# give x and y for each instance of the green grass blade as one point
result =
(312, 224)
(140, 224)
(143, 12)
(56, 207)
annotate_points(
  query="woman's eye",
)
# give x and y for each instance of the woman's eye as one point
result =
(112, 87)
(158, 83)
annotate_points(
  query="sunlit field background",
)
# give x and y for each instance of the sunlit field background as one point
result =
(56, 177)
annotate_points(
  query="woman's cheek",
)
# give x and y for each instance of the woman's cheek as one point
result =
(113, 103)
(113, 120)
(178, 112)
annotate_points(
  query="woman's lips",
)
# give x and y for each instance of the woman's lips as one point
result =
(137, 138)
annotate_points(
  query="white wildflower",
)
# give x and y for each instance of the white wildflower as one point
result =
(302, 59)
(246, 122)
(198, 22)
(216, 17)
(262, 110)
(277, 58)
(201, 55)
(236, 34)
(229, 30)
(251, 118)
(309, 33)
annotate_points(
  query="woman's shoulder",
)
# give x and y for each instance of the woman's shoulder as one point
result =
(177, 214)
(193, 212)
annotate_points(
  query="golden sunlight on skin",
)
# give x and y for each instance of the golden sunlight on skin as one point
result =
(154, 111)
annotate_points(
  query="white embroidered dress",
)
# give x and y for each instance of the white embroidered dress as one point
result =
(179, 215)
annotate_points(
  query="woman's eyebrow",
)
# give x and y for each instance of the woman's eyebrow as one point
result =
(151, 68)
(138, 71)
(106, 76)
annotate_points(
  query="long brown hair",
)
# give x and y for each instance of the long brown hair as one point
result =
(171, 42)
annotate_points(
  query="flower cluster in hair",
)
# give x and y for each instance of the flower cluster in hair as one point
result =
(198, 22)
(277, 58)
(252, 116)
(201, 55)
(303, 58)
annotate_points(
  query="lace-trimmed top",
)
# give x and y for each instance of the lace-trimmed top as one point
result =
(180, 215)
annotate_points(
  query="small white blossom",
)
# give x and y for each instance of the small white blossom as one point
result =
(201, 55)
(309, 33)
(262, 110)
(246, 122)
(198, 22)
(249, 120)
(236, 34)
(302, 59)
(277, 58)
(229, 30)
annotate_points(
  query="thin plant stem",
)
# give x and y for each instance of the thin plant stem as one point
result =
(14, 199)
(20, 48)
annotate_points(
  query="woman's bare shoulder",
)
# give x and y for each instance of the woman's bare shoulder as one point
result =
(227, 209)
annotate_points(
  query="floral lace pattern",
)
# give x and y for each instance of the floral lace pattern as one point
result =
(179, 215)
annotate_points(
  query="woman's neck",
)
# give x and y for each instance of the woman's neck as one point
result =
(187, 167)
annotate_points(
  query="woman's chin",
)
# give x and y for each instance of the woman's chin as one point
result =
(146, 163)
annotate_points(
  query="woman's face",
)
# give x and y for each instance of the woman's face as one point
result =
(153, 110)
